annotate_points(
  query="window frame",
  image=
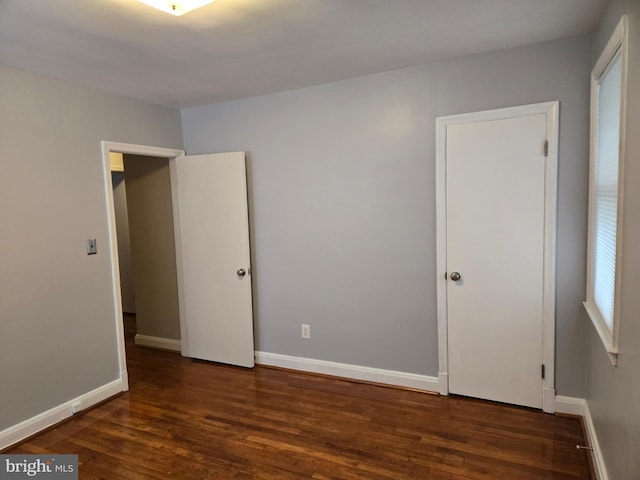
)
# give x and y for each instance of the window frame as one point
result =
(617, 43)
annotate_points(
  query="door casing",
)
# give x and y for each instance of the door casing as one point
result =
(550, 109)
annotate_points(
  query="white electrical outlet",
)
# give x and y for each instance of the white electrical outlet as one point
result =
(306, 331)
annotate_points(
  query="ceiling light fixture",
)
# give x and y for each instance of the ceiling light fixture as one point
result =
(176, 7)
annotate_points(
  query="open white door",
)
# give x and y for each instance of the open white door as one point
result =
(212, 245)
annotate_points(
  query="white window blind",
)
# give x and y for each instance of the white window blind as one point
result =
(606, 188)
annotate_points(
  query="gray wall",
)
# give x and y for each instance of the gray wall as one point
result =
(613, 393)
(127, 288)
(57, 316)
(153, 248)
(343, 202)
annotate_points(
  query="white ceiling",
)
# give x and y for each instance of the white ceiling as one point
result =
(240, 48)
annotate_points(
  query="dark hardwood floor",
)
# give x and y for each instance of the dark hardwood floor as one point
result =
(186, 419)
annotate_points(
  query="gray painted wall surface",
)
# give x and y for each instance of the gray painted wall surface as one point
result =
(127, 289)
(343, 201)
(613, 393)
(57, 328)
(152, 245)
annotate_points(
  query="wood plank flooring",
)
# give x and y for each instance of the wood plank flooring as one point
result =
(186, 419)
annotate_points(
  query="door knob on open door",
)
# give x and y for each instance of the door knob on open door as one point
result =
(455, 276)
(241, 273)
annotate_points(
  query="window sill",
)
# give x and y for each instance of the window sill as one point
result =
(603, 332)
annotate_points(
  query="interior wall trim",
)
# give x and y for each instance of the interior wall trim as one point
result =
(157, 342)
(33, 425)
(580, 407)
(354, 372)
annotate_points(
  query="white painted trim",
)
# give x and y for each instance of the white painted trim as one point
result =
(113, 240)
(177, 238)
(549, 272)
(599, 324)
(548, 399)
(551, 110)
(355, 372)
(157, 342)
(441, 254)
(570, 405)
(580, 407)
(33, 425)
(443, 383)
(149, 151)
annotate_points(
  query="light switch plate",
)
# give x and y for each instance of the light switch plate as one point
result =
(92, 247)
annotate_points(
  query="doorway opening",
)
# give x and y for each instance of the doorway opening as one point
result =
(146, 248)
(148, 169)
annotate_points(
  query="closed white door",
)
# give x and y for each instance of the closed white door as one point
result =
(495, 237)
(213, 248)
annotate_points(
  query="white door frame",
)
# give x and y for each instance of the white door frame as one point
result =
(550, 109)
(128, 148)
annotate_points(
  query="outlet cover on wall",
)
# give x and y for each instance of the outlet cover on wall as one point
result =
(306, 331)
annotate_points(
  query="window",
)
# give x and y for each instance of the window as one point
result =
(608, 82)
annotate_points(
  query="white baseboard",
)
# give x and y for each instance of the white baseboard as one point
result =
(580, 407)
(355, 372)
(570, 405)
(33, 425)
(157, 342)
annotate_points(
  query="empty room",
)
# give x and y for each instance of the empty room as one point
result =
(320, 239)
